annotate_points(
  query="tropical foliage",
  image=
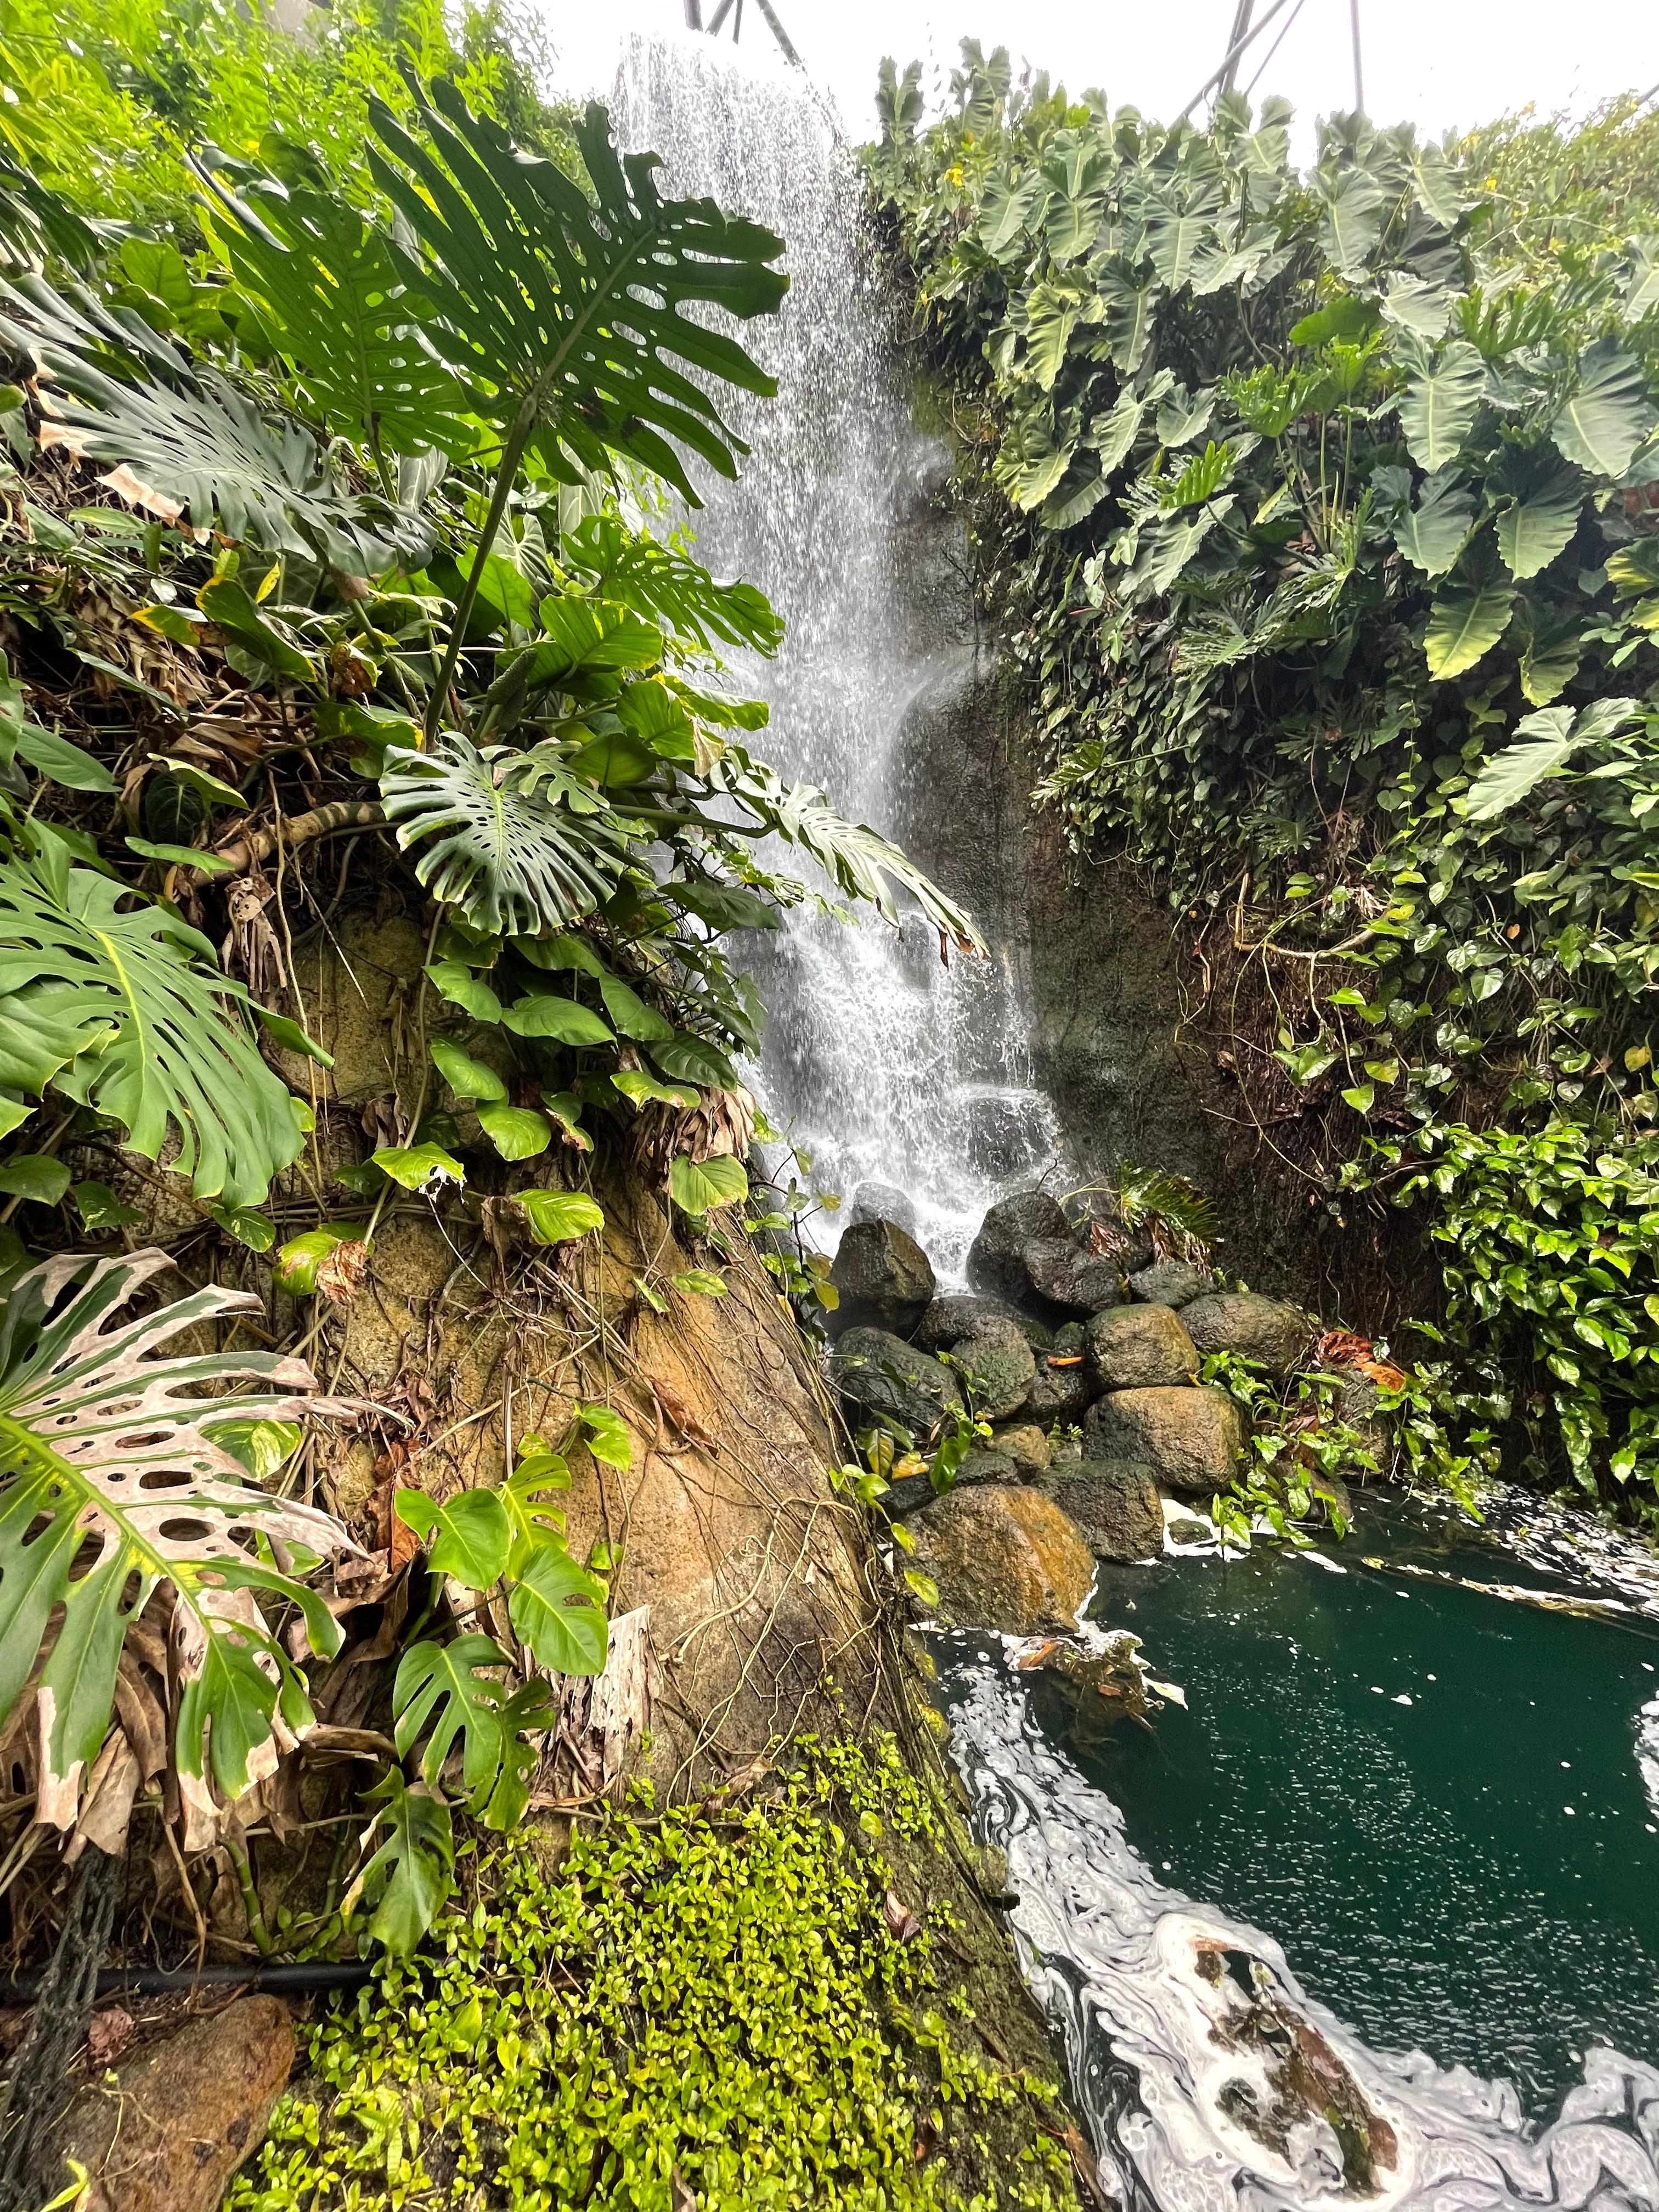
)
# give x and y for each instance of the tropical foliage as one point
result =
(324, 484)
(1320, 516)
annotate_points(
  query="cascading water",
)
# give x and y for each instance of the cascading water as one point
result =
(886, 1066)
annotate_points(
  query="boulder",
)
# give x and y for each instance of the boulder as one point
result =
(912, 1491)
(180, 2117)
(1065, 1274)
(1024, 1443)
(1253, 1327)
(880, 1201)
(1005, 1558)
(1115, 1505)
(958, 1314)
(878, 1373)
(1063, 1394)
(884, 1277)
(999, 1366)
(1191, 1439)
(1141, 1347)
(1172, 1283)
(996, 1258)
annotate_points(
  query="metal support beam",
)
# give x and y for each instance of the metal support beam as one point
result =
(1231, 55)
(1236, 41)
(693, 14)
(1358, 74)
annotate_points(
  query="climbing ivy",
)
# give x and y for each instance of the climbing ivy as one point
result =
(1319, 517)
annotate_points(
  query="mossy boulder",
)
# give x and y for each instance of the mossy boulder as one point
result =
(1192, 1439)
(1254, 1328)
(1115, 1505)
(1141, 1347)
(1170, 1283)
(1065, 1274)
(999, 1366)
(1005, 1558)
(958, 1314)
(876, 1372)
(1025, 1444)
(885, 1278)
(996, 1258)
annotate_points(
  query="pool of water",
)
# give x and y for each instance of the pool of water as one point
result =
(1422, 1806)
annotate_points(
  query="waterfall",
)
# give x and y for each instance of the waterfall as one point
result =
(886, 1066)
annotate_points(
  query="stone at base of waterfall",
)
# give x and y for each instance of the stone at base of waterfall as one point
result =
(1140, 1348)
(880, 1201)
(1192, 1439)
(1005, 1558)
(1172, 1283)
(996, 1258)
(876, 1372)
(1024, 1442)
(999, 1367)
(1064, 1387)
(911, 1493)
(181, 2116)
(883, 1276)
(958, 1314)
(1062, 1273)
(1254, 1328)
(1115, 1505)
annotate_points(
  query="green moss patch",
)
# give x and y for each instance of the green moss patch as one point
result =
(730, 2012)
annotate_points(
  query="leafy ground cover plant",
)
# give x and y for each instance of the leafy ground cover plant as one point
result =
(1319, 515)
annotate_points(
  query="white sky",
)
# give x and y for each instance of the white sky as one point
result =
(1436, 63)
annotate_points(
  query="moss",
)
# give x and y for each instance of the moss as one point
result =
(728, 2011)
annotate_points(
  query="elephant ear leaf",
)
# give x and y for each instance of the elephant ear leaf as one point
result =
(566, 314)
(1609, 416)
(111, 1483)
(124, 1009)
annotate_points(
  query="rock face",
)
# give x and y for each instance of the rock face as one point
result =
(883, 1277)
(955, 1315)
(1003, 1558)
(1141, 1347)
(996, 1258)
(1170, 1283)
(1025, 1444)
(999, 1365)
(1115, 1505)
(1191, 1440)
(881, 1374)
(1064, 1274)
(186, 2112)
(1252, 1326)
(880, 1201)
(1061, 1394)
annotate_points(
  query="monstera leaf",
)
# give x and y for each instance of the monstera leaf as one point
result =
(111, 1484)
(124, 1011)
(866, 865)
(666, 584)
(407, 1877)
(454, 1692)
(493, 842)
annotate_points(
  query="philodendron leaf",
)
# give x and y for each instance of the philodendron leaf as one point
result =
(1430, 535)
(1548, 740)
(1440, 401)
(466, 1077)
(565, 1021)
(467, 1536)
(407, 1878)
(295, 1265)
(109, 1467)
(607, 1436)
(517, 1133)
(559, 1217)
(1542, 521)
(632, 1017)
(697, 1187)
(1609, 416)
(643, 1091)
(34, 1176)
(1466, 621)
(419, 1167)
(557, 1612)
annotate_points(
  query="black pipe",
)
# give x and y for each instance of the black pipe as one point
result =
(160, 1981)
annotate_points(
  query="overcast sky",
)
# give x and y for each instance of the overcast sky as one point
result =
(1438, 62)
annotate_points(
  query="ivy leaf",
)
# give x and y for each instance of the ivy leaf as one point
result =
(701, 1281)
(1466, 621)
(557, 1612)
(468, 1537)
(1440, 401)
(563, 1020)
(466, 1077)
(698, 1186)
(607, 1436)
(517, 1133)
(557, 1216)
(1609, 416)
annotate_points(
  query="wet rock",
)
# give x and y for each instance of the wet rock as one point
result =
(1170, 1283)
(1005, 1558)
(1024, 1443)
(1141, 1347)
(878, 1373)
(999, 1367)
(1191, 1439)
(1253, 1327)
(1115, 1505)
(1065, 1274)
(912, 1491)
(1070, 1340)
(1186, 1528)
(996, 1258)
(884, 1277)
(880, 1201)
(1064, 1387)
(958, 1313)
(184, 2114)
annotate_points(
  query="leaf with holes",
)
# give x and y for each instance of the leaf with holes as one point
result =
(447, 1692)
(111, 1483)
(409, 1875)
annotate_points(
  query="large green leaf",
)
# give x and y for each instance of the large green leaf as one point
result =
(666, 584)
(444, 1692)
(1354, 207)
(570, 313)
(494, 840)
(1609, 416)
(1466, 621)
(1430, 535)
(1549, 740)
(557, 1612)
(332, 298)
(1128, 301)
(1441, 401)
(111, 1483)
(408, 1877)
(1008, 208)
(1641, 284)
(466, 1537)
(122, 1007)
(1174, 233)
(1540, 523)
(1051, 316)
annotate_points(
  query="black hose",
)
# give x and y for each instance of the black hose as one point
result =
(160, 1981)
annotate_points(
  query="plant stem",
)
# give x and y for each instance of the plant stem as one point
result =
(511, 453)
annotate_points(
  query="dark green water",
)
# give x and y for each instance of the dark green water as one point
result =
(1432, 1798)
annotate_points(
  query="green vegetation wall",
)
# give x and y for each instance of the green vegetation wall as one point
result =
(1320, 518)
